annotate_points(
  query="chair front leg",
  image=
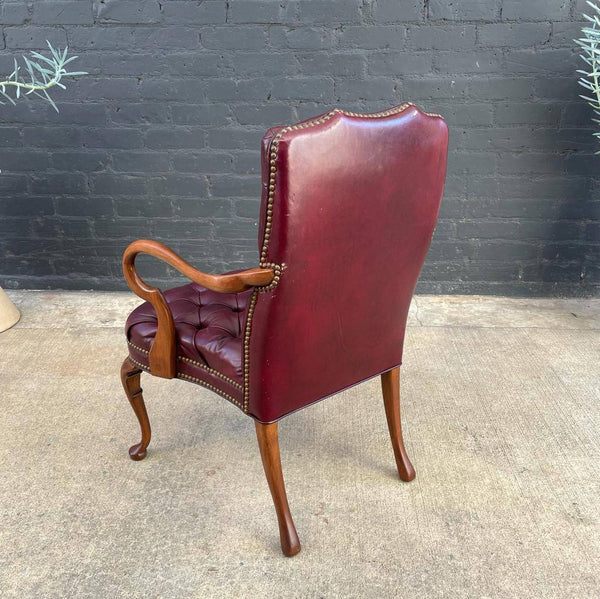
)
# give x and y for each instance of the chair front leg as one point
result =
(390, 385)
(130, 377)
(268, 441)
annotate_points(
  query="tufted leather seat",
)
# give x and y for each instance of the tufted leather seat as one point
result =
(209, 328)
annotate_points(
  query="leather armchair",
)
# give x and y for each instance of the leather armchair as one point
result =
(349, 204)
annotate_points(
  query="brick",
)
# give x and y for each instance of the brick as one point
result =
(437, 87)
(463, 114)
(171, 89)
(194, 13)
(140, 113)
(246, 162)
(302, 38)
(196, 208)
(25, 160)
(140, 38)
(238, 186)
(555, 61)
(35, 38)
(153, 208)
(329, 11)
(373, 38)
(10, 137)
(399, 63)
(304, 88)
(390, 11)
(235, 139)
(481, 61)
(118, 184)
(446, 37)
(515, 229)
(514, 35)
(259, 11)
(519, 113)
(127, 11)
(463, 10)
(182, 229)
(13, 13)
(201, 63)
(380, 88)
(14, 206)
(501, 88)
(177, 184)
(84, 206)
(174, 137)
(80, 161)
(247, 208)
(240, 38)
(264, 63)
(75, 12)
(116, 138)
(470, 162)
(535, 10)
(141, 162)
(336, 64)
(205, 162)
(528, 163)
(200, 114)
(52, 137)
(264, 115)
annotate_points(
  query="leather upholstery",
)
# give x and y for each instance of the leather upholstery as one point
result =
(354, 207)
(348, 209)
(209, 328)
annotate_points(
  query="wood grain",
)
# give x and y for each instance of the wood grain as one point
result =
(268, 442)
(390, 386)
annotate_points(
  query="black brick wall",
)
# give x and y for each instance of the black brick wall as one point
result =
(161, 139)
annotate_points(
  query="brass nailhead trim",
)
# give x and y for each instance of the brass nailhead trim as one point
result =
(212, 371)
(277, 269)
(194, 380)
(251, 307)
(141, 349)
(203, 366)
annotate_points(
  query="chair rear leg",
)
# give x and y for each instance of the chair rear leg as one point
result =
(390, 385)
(268, 441)
(130, 377)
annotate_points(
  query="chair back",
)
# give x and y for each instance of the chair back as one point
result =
(348, 210)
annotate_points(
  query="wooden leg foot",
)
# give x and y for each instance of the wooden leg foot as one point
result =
(390, 385)
(268, 442)
(130, 377)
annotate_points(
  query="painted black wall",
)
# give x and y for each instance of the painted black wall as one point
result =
(161, 139)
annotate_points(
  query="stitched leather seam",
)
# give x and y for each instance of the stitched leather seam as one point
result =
(203, 366)
(200, 382)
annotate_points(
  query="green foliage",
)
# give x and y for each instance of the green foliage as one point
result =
(41, 76)
(590, 44)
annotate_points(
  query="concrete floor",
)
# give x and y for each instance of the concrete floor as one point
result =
(502, 420)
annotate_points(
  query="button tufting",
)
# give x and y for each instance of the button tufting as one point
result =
(209, 339)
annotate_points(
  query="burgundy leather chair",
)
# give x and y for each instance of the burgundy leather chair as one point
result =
(349, 204)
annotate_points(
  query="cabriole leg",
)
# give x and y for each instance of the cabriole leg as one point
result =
(268, 441)
(390, 385)
(130, 377)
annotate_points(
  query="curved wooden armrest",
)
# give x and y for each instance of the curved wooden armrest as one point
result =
(163, 357)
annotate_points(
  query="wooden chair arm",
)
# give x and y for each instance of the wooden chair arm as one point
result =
(162, 357)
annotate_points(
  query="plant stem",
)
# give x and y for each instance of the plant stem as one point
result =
(50, 83)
